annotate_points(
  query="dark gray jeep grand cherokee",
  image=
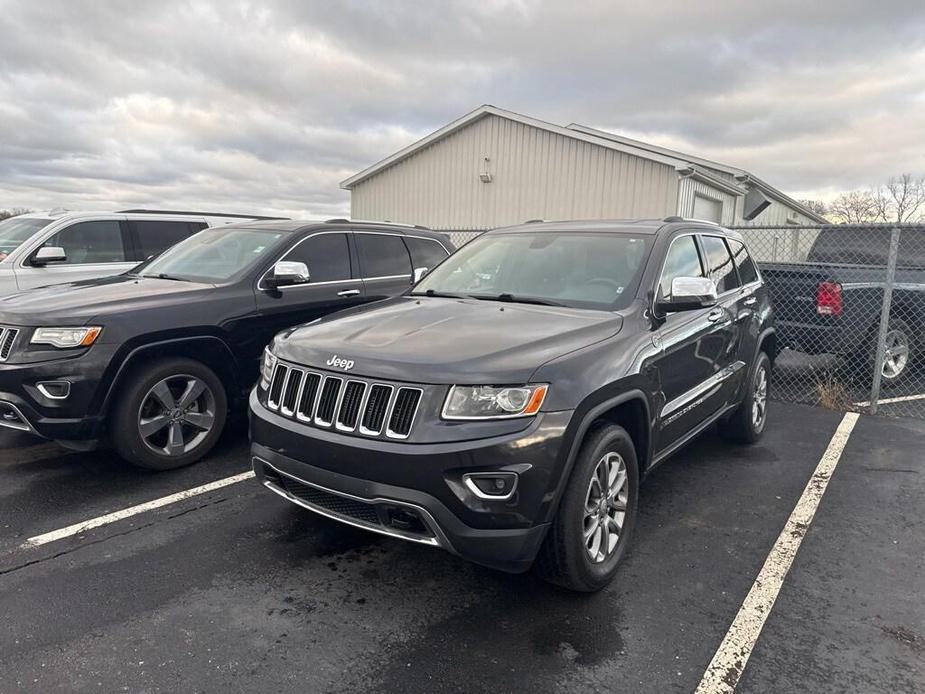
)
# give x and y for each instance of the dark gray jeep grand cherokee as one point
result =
(507, 406)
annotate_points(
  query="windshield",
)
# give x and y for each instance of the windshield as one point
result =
(584, 270)
(212, 255)
(15, 230)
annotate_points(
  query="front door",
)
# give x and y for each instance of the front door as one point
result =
(93, 249)
(694, 363)
(333, 285)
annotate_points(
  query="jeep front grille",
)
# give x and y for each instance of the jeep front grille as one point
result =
(344, 404)
(7, 338)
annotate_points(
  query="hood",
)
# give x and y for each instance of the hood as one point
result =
(438, 340)
(79, 302)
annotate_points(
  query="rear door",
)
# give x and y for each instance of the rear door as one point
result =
(334, 284)
(385, 264)
(690, 367)
(734, 315)
(94, 248)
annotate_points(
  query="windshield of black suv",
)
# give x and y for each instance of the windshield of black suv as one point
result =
(212, 255)
(598, 270)
(15, 230)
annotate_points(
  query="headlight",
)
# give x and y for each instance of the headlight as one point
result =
(266, 368)
(494, 402)
(65, 337)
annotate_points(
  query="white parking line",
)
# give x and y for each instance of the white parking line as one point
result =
(131, 511)
(887, 401)
(731, 657)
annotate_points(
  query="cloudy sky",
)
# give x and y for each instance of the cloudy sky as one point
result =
(266, 106)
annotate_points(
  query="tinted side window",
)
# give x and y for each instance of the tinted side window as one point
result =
(91, 242)
(153, 236)
(382, 255)
(424, 252)
(744, 263)
(722, 269)
(683, 260)
(326, 255)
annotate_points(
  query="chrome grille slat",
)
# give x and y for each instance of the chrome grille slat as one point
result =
(7, 338)
(350, 405)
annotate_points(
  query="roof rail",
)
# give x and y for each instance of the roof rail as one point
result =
(344, 220)
(203, 214)
(676, 218)
(534, 221)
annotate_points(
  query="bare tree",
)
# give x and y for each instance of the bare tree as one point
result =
(902, 199)
(855, 207)
(817, 206)
(15, 212)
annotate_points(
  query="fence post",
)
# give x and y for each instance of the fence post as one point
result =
(884, 319)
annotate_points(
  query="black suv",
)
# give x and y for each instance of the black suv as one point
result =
(154, 357)
(508, 405)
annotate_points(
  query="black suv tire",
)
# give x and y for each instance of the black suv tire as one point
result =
(741, 426)
(152, 396)
(565, 557)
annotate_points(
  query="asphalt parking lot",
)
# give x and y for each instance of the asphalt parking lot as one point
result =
(235, 590)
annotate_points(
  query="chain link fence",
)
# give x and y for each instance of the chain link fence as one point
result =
(850, 306)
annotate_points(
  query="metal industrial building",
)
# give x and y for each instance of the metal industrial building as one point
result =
(493, 167)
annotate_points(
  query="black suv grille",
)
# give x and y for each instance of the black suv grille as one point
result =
(331, 502)
(345, 404)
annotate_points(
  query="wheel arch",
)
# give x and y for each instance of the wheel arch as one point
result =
(206, 349)
(631, 410)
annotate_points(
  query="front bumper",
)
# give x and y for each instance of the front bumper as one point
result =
(416, 491)
(25, 407)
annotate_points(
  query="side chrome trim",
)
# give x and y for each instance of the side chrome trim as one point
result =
(438, 540)
(702, 389)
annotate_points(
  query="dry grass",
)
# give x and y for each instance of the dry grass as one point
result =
(833, 394)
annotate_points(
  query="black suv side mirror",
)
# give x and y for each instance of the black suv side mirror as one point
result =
(688, 294)
(287, 272)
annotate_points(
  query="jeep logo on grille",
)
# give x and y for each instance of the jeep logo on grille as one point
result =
(338, 363)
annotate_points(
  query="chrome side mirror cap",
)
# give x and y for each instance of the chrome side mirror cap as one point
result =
(419, 273)
(287, 272)
(688, 294)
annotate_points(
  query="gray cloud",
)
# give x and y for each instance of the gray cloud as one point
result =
(266, 106)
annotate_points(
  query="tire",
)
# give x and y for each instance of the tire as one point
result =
(899, 356)
(179, 435)
(565, 558)
(746, 424)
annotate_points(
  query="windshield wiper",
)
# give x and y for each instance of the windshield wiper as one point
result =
(165, 276)
(510, 298)
(443, 295)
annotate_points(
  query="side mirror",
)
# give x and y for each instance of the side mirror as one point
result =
(418, 275)
(688, 294)
(49, 254)
(287, 272)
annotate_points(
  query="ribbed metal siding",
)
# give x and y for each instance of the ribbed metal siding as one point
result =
(536, 174)
(689, 188)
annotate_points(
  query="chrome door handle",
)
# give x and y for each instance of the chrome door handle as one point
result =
(349, 292)
(715, 315)
(750, 301)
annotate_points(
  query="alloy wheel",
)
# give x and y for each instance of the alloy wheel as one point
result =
(760, 398)
(895, 354)
(176, 414)
(605, 507)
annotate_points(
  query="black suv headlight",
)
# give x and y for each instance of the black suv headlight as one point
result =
(64, 338)
(494, 402)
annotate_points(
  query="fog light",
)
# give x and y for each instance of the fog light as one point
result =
(56, 390)
(497, 486)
